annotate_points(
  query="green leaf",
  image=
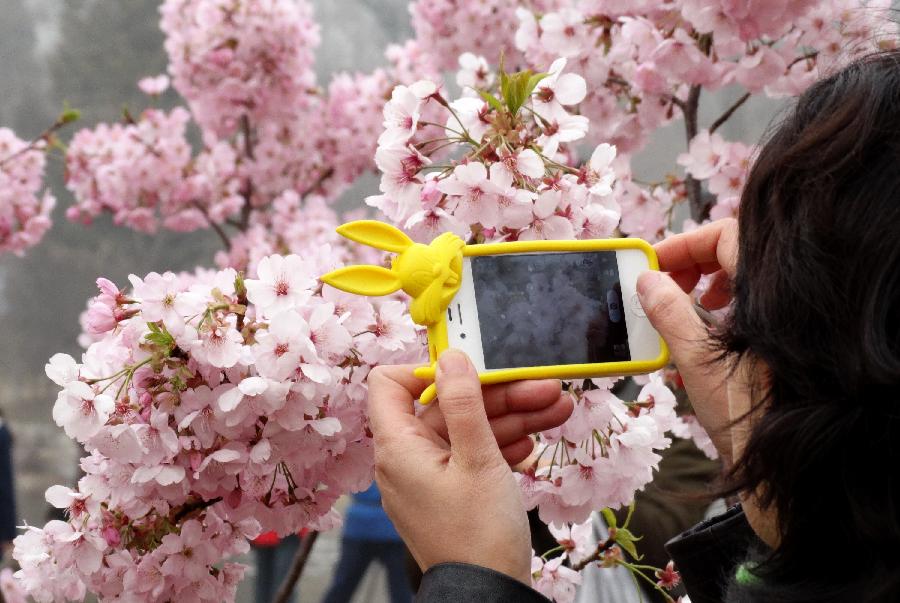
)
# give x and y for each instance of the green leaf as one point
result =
(519, 87)
(533, 81)
(153, 327)
(504, 87)
(626, 540)
(609, 517)
(239, 288)
(70, 115)
(491, 100)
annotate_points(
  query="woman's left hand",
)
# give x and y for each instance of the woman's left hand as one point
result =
(444, 481)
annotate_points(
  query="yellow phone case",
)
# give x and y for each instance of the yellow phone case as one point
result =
(432, 274)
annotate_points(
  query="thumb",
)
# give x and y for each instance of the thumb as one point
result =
(671, 311)
(459, 398)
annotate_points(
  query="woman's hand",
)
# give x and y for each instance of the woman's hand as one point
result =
(444, 476)
(711, 249)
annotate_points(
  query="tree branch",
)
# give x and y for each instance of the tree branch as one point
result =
(597, 555)
(325, 175)
(194, 506)
(699, 208)
(247, 131)
(297, 565)
(216, 227)
(727, 115)
(45, 136)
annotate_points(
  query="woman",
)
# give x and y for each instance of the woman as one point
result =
(800, 389)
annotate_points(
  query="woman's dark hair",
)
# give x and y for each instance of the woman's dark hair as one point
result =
(817, 301)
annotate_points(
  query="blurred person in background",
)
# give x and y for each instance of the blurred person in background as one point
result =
(273, 562)
(369, 535)
(7, 491)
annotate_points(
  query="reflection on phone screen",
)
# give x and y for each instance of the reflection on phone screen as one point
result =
(550, 309)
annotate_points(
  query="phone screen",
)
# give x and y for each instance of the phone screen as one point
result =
(540, 309)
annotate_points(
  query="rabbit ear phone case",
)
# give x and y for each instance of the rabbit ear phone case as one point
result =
(548, 309)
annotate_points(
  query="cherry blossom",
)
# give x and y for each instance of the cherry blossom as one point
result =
(215, 404)
(199, 437)
(24, 209)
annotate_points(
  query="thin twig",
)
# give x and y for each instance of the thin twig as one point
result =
(216, 227)
(727, 115)
(194, 506)
(325, 175)
(297, 565)
(597, 555)
(45, 137)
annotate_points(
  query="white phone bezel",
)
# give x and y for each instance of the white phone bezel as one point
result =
(464, 328)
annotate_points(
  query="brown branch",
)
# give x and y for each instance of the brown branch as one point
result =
(699, 208)
(247, 194)
(216, 227)
(727, 115)
(804, 57)
(325, 175)
(194, 506)
(247, 132)
(31, 146)
(597, 555)
(297, 565)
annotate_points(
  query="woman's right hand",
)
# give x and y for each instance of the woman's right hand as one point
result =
(711, 249)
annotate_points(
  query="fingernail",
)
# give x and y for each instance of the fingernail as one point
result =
(646, 282)
(453, 362)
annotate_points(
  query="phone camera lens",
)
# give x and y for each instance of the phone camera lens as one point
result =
(462, 335)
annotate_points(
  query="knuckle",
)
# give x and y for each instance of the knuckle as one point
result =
(376, 377)
(460, 399)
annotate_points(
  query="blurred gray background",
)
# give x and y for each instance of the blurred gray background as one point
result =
(90, 53)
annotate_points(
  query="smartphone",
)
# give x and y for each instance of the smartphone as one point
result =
(566, 313)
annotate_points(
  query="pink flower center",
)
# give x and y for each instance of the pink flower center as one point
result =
(586, 472)
(282, 288)
(546, 94)
(281, 349)
(87, 406)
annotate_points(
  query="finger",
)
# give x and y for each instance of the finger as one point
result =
(501, 399)
(709, 248)
(518, 451)
(472, 443)
(719, 293)
(687, 279)
(520, 396)
(392, 390)
(671, 312)
(511, 426)
(508, 428)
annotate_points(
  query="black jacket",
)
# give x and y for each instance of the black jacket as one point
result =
(707, 556)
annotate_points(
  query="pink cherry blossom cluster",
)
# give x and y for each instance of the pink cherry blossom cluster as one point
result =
(494, 169)
(212, 407)
(723, 165)
(602, 455)
(292, 136)
(143, 173)
(597, 460)
(250, 59)
(641, 59)
(448, 28)
(24, 210)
